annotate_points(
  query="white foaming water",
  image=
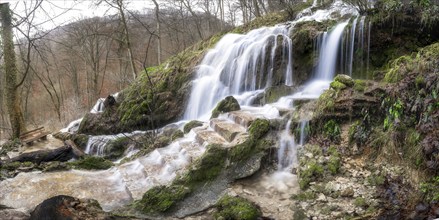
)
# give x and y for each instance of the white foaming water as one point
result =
(337, 9)
(287, 154)
(329, 47)
(73, 126)
(96, 144)
(113, 188)
(237, 65)
(98, 107)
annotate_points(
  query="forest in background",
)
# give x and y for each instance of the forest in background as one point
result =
(63, 71)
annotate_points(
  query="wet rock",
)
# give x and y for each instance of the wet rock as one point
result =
(321, 198)
(12, 214)
(192, 124)
(421, 207)
(345, 79)
(228, 104)
(109, 101)
(66, 207)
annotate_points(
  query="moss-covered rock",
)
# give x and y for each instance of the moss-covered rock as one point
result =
(235, 208)
(116, 148)
(161, 198)
(334, 161)
(337, 86)
(310, 172)
(259, 128)
(177, 134)
(228, 104)
(91, 163)
(192, 124)
(345, 79)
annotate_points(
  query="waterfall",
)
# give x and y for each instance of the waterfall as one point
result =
(351, 52)
(98, 107)
(96, 144)
(328, 53)
(287, 154)
(303, 132)
(239, 64)
(361, 34)
(368, 45)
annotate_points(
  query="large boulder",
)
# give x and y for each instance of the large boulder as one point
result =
(228, 104)
(66, 207)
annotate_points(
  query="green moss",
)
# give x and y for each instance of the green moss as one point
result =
(430, 190)
(91, 163)
(345, 79)
(11, 166)
(192, 124)
(311, 171)
(208, 167)
(332, 130)
(236, 208)
(420, 81)
(259, 128)
(397, 70)
(360, 85)
(376, 180)
(55, 166)
(161, 141)
(228, 104)
(337, 86)
(116, 148)
(161, 198)
(326, 101)
(177, 134)
(305, 196)
(360, 202)
(334, 164)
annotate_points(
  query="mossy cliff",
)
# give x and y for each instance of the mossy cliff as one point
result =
(388, 132)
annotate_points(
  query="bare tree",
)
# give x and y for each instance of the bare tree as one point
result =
(11, 73)
(121, 7)
(159, 45)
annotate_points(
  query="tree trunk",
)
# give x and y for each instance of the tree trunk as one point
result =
(125, 25)
(11, 71)
(159, 37)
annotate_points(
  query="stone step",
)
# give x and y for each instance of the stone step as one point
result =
(211, 137)
(242, 118)
(228, 130)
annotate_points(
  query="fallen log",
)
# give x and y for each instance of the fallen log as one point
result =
(62, 154)
(75, 149)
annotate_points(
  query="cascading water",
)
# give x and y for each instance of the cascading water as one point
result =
(287, 154)
(239, 64)
(351, 51)
(303, 132)
(328, 49)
